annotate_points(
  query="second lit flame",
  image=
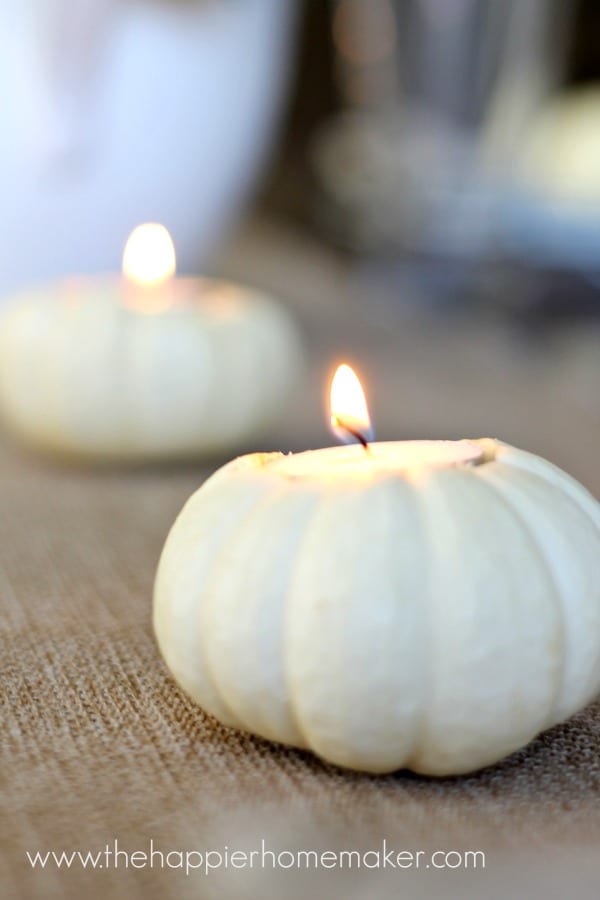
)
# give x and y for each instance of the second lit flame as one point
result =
(350, 420)
(149, 256)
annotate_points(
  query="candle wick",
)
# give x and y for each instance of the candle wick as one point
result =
(353, 431)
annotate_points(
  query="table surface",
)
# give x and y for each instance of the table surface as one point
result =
(98, 744)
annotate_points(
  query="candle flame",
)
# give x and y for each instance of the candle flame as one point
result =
(149, 255)
(350, 420)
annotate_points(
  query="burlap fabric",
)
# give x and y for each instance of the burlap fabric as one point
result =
(98, 744)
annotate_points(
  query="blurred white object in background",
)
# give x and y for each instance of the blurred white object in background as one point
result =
(121, 111)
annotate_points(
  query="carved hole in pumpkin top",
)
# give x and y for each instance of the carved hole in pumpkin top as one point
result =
(383, 458)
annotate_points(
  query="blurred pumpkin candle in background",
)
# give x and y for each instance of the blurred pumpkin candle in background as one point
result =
(422, 604)
(146, 366)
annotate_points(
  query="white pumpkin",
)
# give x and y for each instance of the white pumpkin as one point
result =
(433, 618)
(85, 373)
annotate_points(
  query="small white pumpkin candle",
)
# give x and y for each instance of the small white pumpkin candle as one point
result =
(147, 366)
(423, 604)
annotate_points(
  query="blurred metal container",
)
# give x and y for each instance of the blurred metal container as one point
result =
(437, 95)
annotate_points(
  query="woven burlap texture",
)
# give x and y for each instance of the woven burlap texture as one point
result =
(98, 743)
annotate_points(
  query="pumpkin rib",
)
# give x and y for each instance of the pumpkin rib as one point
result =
(193, 511)
(212, 574)
(511, 742)
(267, 599)
(572, 501)
(351, 725)
(427, 611)
(498, 486)
(548, 473)
(326, 498)
(391, 481)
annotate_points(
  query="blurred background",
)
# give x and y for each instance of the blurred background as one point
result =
(418, 183)
(419, 180)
